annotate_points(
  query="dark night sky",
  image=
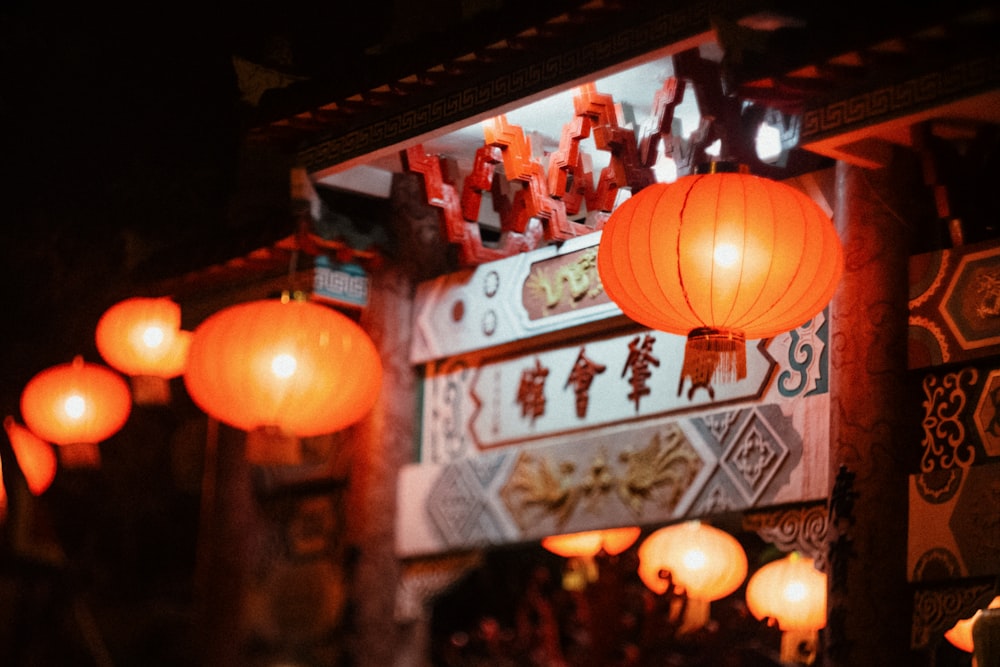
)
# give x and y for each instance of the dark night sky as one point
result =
(120, 137)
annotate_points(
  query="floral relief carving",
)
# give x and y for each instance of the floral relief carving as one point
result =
(541, 487)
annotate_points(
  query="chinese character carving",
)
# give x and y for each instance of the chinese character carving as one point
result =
(581, 377)
(531, 391)
(640, 356)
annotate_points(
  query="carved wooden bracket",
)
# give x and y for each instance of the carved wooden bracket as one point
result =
(802, 529)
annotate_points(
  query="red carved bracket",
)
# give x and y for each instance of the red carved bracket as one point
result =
(541, 206)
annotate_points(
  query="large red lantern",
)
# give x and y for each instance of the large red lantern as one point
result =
(792, 593)
(76, 405)
(706, 562)
(35, 457)
(720, 257)
(288, 365)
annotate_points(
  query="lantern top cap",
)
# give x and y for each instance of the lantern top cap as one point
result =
(297, 296)
(722, 167)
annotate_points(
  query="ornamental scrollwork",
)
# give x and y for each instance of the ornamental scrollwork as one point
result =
(936, 610)
(945, 442)
(802, 529)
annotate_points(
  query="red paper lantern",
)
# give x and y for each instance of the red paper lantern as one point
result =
(792, 593)
(589, 543)
(706, 562)
(960, 634)
(291, 365)
(142, 337)
(719, 257)
(76, 403)
(35, 457)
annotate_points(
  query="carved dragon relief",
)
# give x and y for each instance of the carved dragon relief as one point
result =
(542, 488)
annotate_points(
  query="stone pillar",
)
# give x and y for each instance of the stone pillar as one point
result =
(870, 602)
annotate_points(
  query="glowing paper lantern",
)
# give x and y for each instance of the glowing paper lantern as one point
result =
(581, 548)
(792, 593)
(78, 402)
(719, 257)
(76, 405)
(288, 368)
(960, 634)
(141, 337)
(706, 562)
(34, 456)
(589, 543)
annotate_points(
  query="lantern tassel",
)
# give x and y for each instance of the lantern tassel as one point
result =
(710, 354)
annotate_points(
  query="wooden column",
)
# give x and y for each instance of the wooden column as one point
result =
(223, 544)
(869, 600)
(386, 439)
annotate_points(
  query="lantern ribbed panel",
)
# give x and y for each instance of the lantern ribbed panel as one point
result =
(656, 256)
(723, 570)
(337, 377)
(768, 593)
(120, 337)
(106, 398)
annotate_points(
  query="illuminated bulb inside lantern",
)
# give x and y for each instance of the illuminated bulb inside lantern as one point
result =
(152, 337)
(695, 559)
(795, 591)
(74, 406)
(726, 254)
(283, 365)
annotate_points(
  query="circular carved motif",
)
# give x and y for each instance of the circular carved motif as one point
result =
(491, 283)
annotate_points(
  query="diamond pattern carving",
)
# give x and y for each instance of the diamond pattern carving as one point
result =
(754, 456)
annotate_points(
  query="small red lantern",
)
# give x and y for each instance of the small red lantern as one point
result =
(287, 366)
(76, 404)
(35, 457)
(141, 337)
(960, 634)
(589, 543)
(792, 593)
(719, 257)
(581, 548)
(706, 562)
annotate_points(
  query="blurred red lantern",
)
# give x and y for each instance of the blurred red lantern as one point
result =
(35, 457)
(291, 366)
(581, 548)
(141, 337)
(792, 593)
(706, 562)
(589, 543)
(78, 403)
(720, 257)
(960, 634)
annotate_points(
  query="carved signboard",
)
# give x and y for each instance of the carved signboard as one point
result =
(545, 410)
(498, 303)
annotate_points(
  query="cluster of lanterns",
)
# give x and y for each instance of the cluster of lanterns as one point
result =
(708, 564)
(286, 367)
